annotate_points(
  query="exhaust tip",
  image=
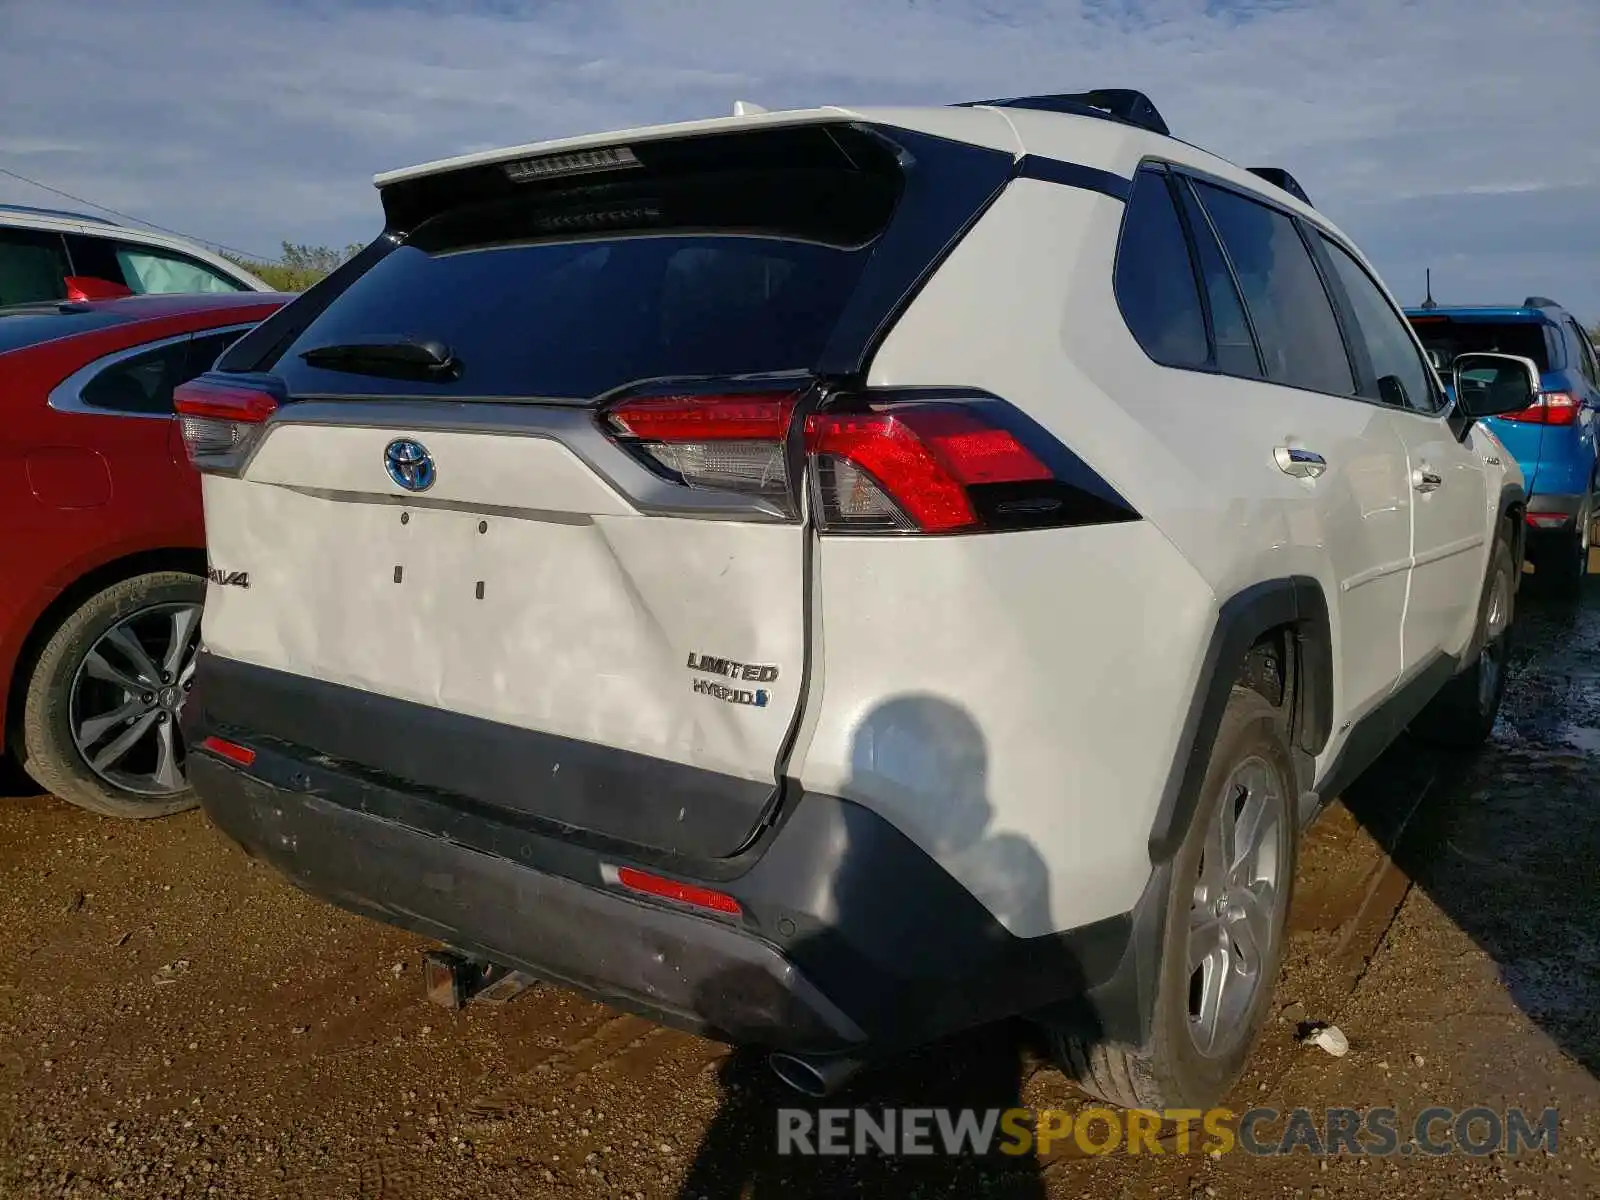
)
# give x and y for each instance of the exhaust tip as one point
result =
(813, 1077)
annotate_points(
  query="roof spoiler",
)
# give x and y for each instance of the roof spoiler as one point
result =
(1539, 302)
(1116, 104)
(1280, 178)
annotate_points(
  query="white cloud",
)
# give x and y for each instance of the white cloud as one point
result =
(1427, 128)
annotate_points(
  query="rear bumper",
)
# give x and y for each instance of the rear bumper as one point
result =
(1552, 506)
(849, 939)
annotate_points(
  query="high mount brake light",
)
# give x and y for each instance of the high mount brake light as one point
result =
(726, 442)
(1551, 408)
(219, 419)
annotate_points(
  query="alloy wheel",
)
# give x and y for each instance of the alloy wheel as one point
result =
(1233, 915)
(126, 697)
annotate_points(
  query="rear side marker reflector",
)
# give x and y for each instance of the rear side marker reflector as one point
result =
(670, 889)
(1548, 520)
(232, 751)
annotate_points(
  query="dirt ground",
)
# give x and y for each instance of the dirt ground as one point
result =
(176, 1020)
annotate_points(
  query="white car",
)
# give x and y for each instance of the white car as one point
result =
(50, 254)
(833, 578)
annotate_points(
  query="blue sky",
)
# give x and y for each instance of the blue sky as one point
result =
(1461, 134)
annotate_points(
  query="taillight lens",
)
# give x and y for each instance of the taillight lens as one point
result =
(1551, 408)
(218, 420)
(728, 442)
(928, 468)
(918, 461)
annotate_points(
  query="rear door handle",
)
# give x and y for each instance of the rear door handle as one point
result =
(1301, 463)
(1425, 480)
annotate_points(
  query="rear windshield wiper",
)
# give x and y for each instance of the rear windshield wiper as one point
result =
(393, 356)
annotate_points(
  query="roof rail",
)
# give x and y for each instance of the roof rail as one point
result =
(1114, 104)
(31, 211)
(1539, 302)
(1279, 178)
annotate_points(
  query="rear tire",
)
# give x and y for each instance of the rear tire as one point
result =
(1462, 715)
(74, 709)
(1200, 1034)
(1565, 560)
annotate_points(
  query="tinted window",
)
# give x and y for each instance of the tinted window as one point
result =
(33, 265)
(1230, 331)
(1294, 322)
(1404, 377)
(573, 293)
(1585, 352)
(205, 349)
(1444, 337)
(1155, 282)
(141, 383)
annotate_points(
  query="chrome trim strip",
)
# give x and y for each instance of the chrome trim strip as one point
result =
(67, 396)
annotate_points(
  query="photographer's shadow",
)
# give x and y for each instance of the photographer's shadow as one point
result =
(922, 761)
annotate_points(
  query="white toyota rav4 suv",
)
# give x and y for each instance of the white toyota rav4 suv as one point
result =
(832, 578)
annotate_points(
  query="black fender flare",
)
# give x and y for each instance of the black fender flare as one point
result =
(1296, 602)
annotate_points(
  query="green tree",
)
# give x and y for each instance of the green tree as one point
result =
(299, 265)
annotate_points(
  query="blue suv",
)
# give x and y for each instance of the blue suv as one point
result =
(1554, 440)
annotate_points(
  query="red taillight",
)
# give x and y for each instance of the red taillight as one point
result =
(730, 442)
(231, 751)
(910, 467)
(919, 461)
(220, 419)
(1551, 408)
(670, 889)
(1549, 520)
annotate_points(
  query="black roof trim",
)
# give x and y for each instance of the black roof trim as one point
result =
(1279, 178)
(1110, 104)
(1539, 302)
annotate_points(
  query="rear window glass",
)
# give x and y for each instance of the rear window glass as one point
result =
(573, 296)
(23, 327)
(1444, 338)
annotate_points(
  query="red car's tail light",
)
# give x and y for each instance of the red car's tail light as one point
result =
(730, 442)
(219, 420)
(1551, 408)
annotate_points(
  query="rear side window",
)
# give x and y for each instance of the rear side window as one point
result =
(1230, 330)
(1584, 351)
(1444, 337)
(143, 382)
(140, 383)
(1299, 336)
(147, 270)
(1155, 283)
(1404, 378)
(33, 266)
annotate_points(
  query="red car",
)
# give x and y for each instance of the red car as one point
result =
(102, 542)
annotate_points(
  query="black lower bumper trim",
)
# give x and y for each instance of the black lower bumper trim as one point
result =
(562, 781)
(849, 935)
